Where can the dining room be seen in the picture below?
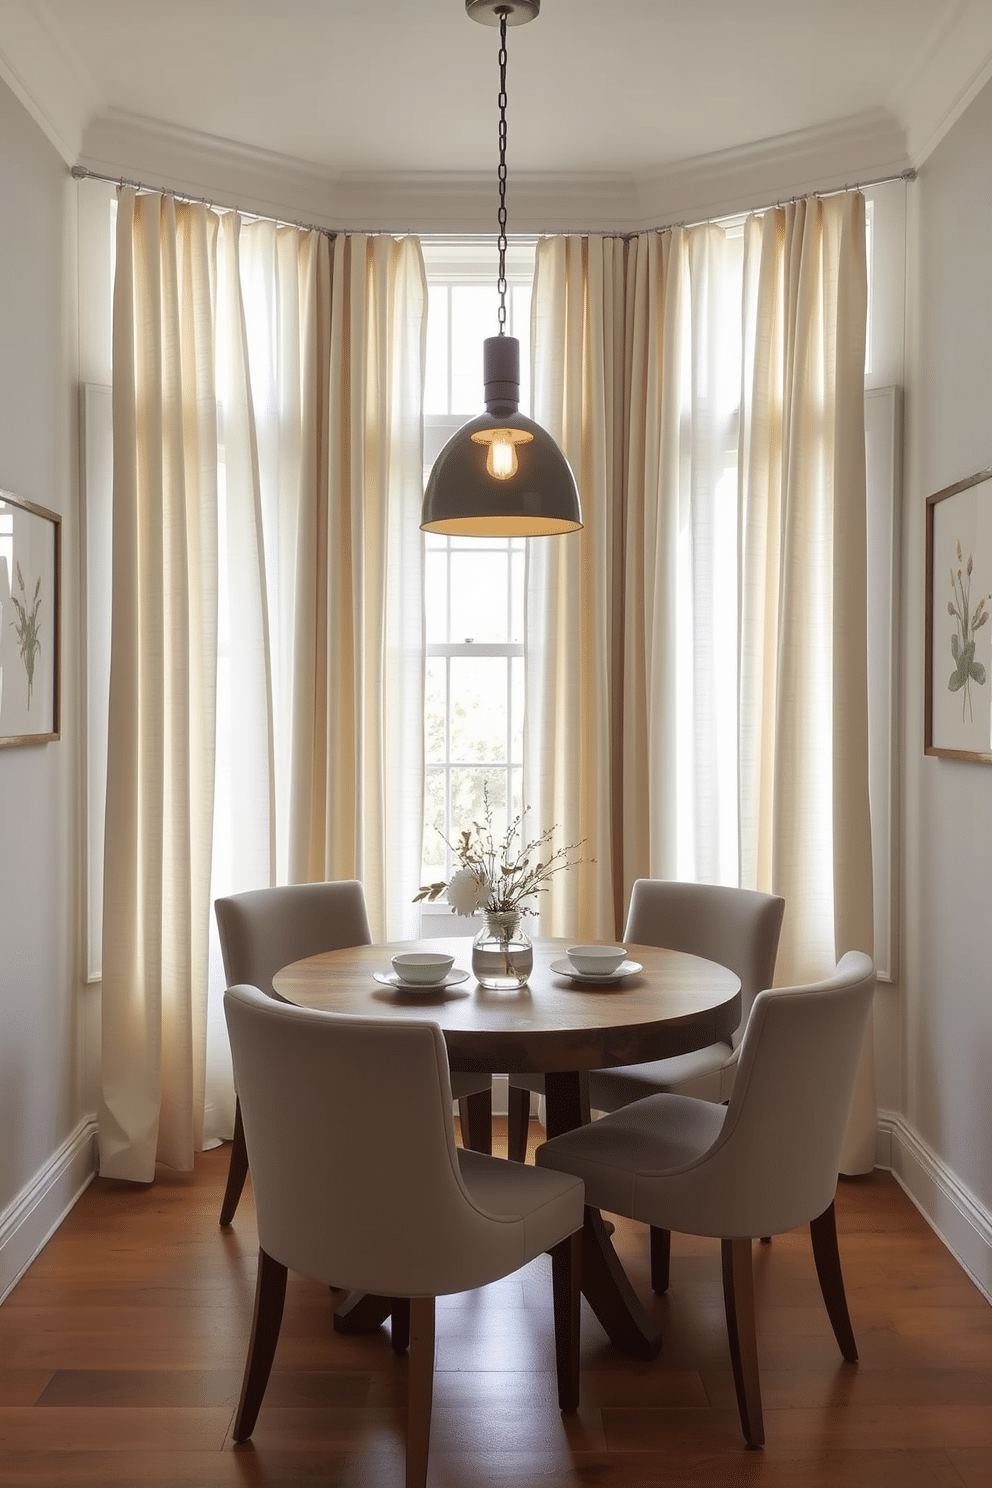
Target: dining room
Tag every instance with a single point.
(616, 711)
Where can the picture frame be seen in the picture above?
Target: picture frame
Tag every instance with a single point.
(30, 621)
(958, 681)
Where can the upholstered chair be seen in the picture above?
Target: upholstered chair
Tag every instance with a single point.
(739, 928)
(263, 930)
(764, 1163)
(358, 1182)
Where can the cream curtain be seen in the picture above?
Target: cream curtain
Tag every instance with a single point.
(572, 677)
(356, 808)
(267, 634)
(805, 824)
(162, 680)
(732, 624)
(679, 780)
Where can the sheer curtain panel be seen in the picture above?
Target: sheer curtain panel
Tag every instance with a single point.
(572, 673)
(266, 692)
(805, 823)
(697, 659)
(162, 687)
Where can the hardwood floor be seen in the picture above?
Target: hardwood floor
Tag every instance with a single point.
(122, 1348)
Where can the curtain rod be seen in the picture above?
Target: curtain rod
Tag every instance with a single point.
(82, 173)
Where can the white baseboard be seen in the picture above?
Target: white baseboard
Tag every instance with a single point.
(40, 1208)
(950, 1209)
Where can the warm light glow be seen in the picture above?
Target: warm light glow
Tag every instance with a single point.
(501, 457)
(501, 460)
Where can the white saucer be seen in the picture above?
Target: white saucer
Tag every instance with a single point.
(390, 979)
(626, 969)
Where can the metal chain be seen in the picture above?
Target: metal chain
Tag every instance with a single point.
(501, 215)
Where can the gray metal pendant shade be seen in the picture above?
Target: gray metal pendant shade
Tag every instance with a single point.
(501, 475)
(537, 498)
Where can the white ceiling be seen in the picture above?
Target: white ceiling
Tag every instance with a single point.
(383, 112)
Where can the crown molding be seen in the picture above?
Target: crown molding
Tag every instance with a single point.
(846, 152)
(42, 72)
(950, 69)
(39, 66)
(235, 175)
(169, 157)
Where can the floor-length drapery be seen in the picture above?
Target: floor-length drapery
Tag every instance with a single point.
(805, 824)
(162, 676)
(740, 505)
(267, 618)
(679, 760)
(357, 771)
(572, 674)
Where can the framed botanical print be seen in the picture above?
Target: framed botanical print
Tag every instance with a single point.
(30, 603)
(958, 699)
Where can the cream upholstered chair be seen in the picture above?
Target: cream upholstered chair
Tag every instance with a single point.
(263, 930)
(739, 929)
(383, 1202)
(764, 1163)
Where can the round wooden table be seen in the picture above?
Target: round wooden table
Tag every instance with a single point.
(553, 1026)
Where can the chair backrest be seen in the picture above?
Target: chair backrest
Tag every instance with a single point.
(351, 1146)
(775, 1163)
(738, 928)
(263, 930)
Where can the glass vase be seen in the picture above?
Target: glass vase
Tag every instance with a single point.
(502, 953)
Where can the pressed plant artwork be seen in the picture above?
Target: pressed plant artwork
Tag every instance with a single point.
(968, 622)
(28, 626)
(957, 717)
(30, 608)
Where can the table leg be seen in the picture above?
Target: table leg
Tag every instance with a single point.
(605, 1285)
(362, 1312)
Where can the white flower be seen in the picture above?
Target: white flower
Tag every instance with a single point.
(467, 891)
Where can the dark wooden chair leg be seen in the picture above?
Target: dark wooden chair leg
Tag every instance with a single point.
(661, 1257)
(517, 1123)
(738, 1296)
(823, 1234)
(420, 1390)
(475, 1112)
(237, 1171)
(399, 1325)
(270, 1295)
(566, 1260)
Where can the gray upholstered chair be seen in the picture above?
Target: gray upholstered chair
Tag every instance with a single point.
(383, 1201)
(263, 930)
(739, 929)
(762, 1164)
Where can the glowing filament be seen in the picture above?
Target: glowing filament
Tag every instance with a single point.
(501, 456)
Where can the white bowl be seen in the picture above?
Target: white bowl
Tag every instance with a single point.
(422, 966)
(596, 960)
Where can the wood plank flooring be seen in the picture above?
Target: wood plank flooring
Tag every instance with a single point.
(122, 1348)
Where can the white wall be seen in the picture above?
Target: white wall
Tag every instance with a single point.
(45, 1065)
(943, 1144)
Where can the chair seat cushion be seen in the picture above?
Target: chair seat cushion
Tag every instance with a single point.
(700, 1073)
(546, 1204)
(618, 1157)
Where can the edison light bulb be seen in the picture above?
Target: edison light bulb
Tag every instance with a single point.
(501, 457)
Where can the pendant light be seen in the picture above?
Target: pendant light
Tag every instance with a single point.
(501, 475)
